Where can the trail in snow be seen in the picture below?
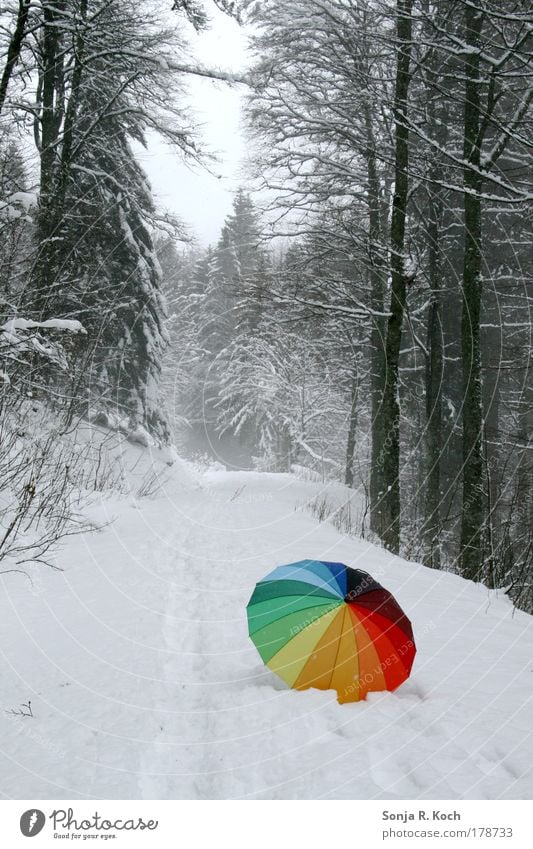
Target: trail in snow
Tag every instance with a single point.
(144, 683)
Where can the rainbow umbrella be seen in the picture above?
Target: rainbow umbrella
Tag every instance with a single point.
(325, 625)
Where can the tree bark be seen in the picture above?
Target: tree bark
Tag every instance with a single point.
(15, 46)
(434, 378)
(473, 507)
(352, 428)
(51, 87)
(391, 406)
(72, 107)
(377, 334)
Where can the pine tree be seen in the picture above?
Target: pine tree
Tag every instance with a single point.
(104, 81)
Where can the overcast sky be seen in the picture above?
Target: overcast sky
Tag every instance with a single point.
(201, 199)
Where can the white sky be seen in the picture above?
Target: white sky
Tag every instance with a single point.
(199, 198)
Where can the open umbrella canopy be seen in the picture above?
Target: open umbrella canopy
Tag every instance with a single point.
(325, 625)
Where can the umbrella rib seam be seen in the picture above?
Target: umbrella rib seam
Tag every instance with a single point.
(307, 607)
(338, 647)
(331, 606)
(384, 634)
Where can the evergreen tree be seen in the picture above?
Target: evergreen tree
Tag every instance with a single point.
(102, 85)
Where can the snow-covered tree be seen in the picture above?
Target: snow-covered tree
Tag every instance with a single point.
(104, 81)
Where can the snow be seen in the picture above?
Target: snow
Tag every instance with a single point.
(25, 199)
(143, 682)
(17, 206)
(10, 327)
(10, 338)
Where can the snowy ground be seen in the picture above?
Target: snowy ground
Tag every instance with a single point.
(143, 682)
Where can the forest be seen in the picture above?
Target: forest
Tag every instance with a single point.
(365, 315)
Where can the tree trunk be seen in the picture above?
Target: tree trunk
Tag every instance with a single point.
(15, 46)
(473, 508)
(391, 406)
(437, 111)
(51, 88)
(492, 354)
(71, 112)
(352, 428)
(377, 334)
(434, 377)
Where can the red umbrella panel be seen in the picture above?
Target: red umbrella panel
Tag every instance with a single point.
(326, 625)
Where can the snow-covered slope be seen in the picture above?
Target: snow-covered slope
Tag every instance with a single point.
(143, 682)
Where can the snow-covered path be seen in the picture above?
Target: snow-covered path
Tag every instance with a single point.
(144, 684)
